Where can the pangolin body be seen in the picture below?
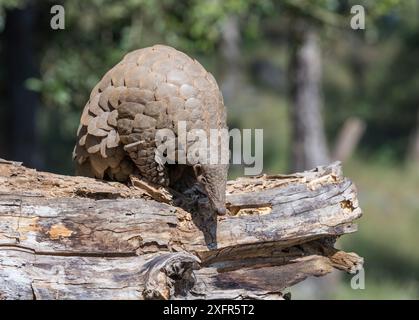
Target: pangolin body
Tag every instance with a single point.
(151, 88)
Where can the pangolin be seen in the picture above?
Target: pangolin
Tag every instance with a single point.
(151, 88)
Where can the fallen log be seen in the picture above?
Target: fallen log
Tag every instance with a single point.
(65, 237)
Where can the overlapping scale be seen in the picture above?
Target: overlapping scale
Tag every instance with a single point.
(150, 89)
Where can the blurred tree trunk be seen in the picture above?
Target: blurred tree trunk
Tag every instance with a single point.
(348, 138)
(230, 52)
(414, 148)
(21, 143)
(309, 146)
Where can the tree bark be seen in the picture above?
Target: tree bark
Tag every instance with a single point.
(65, 237)
(309, 146)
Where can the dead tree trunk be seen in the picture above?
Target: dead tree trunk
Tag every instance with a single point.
(67, 237)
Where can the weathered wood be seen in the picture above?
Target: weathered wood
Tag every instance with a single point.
(74, 237)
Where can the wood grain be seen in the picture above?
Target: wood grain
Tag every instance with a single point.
(65, 237)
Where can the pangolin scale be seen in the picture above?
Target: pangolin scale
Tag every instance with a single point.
(151, 88)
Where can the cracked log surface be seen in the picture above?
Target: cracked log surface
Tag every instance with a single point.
(64, 237)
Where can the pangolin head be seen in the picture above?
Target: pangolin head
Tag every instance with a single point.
(213, 178)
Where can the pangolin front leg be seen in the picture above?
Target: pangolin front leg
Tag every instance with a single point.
(137, 131)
